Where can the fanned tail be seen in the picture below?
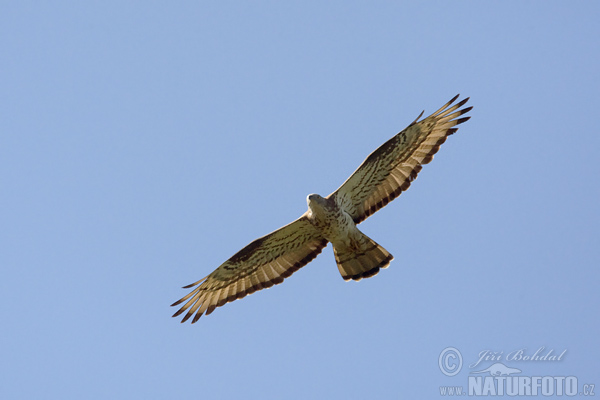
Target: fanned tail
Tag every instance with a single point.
(364, 262)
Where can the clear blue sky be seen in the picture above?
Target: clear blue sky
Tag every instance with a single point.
(144, 143)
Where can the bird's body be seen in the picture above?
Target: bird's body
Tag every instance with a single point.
(383, 176)
(334, 224)
(356, 254)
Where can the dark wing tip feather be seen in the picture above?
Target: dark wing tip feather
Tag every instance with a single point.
(178, 312)
(461, 120)
(210, 309)
(461, 103)
(177, 302)
(417, 119)
(195, 283)
(187, 316)
(196, 318)
(465, 110)
(188, 286)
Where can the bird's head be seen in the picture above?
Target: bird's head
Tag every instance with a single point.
(317, 204)
(313, 197)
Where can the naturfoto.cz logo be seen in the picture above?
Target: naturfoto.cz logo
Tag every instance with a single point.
(499, 379)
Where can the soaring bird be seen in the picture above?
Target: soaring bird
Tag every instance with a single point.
(382, 177)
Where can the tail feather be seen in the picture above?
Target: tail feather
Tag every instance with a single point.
(361, 263)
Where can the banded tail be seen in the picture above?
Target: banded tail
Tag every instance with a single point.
(363, 262)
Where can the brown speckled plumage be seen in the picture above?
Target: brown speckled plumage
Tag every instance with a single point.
(382, 177)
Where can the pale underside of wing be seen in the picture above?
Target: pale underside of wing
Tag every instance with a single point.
(390, 169)
(261, 264)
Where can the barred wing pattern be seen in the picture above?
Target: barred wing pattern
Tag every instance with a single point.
(390, 169)
(261, 264)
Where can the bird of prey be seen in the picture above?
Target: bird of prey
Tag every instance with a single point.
(382, 177)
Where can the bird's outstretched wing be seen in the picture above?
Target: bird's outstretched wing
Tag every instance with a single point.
(390, 169)
(261, 264)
